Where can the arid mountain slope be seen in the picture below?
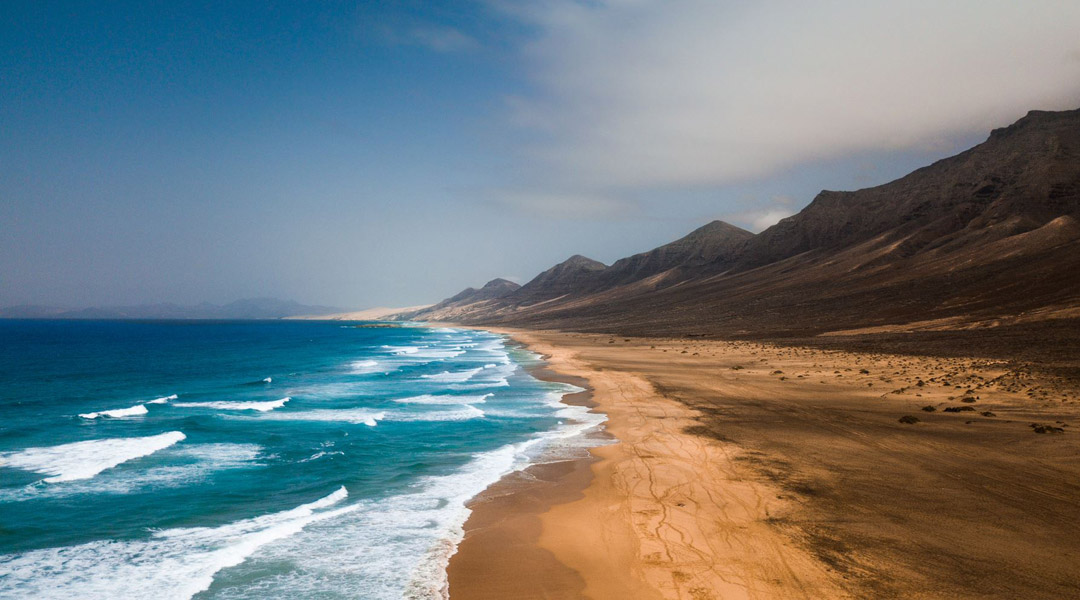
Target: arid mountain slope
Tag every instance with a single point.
(1021, 178)
(465, 301)
(986, 238)
(567, 277)
(715, 245)
(496, 288)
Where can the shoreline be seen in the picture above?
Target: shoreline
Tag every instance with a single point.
(748, 470)
(572, 529)
(500, 556)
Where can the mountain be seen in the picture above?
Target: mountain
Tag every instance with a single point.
(464, 302)
(564, 278)
(496, 288)
(250, 308)
(271, 308)
(575, 273)
(987, 238)
(713, 245)
(1021, 178)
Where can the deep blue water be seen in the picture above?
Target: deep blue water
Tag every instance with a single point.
(255, 459)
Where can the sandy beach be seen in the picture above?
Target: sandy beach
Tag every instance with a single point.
(745, 470)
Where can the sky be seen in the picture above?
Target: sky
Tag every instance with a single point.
(360, 154)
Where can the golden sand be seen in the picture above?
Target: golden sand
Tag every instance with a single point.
(744, 470)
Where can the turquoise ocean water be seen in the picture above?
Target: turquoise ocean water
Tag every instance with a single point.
(256, 459)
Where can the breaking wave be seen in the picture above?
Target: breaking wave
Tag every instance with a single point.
(83, 460)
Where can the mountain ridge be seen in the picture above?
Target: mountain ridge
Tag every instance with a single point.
(984, 235)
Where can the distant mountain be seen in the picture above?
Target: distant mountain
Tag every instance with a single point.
(990, 236)
(251, 308)
(464, 302)
(496, 288)
(31, 311)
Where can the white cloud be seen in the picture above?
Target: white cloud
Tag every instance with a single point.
(767, 218)
(688, 92)
(759, 219)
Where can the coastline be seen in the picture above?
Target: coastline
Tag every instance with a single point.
(577, 529)
(746, 470)
(500, 556)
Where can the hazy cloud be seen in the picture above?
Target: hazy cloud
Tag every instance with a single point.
(689, 92)
(762, 218)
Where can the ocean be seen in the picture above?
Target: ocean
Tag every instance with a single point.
(279, 459)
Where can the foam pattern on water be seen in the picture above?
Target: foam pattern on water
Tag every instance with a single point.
(294, 460)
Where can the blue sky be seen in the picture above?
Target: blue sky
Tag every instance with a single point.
(360, 154)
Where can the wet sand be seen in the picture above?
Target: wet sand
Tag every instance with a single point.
(745, 470)
(500, 557)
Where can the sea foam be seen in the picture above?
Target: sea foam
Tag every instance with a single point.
(359, 416)
(83, 460)
(491, 375)
(172, 564)
(466, 412)
(362, 367)
(443, 399)
(453, 377)
(182, 465)
(117, 413)
(258, 406)
(416, 532)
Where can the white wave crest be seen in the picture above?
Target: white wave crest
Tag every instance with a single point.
(371, 418)
(163, 399)
(361, 367)
(453, 377)
(492, 375)
(83, 460)
(182, 465)
(173, 564)
(426, 355)
(259, 406)
(443, 400)
(118, 413)
(465, 413)
(358, 416)
(503, 382)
